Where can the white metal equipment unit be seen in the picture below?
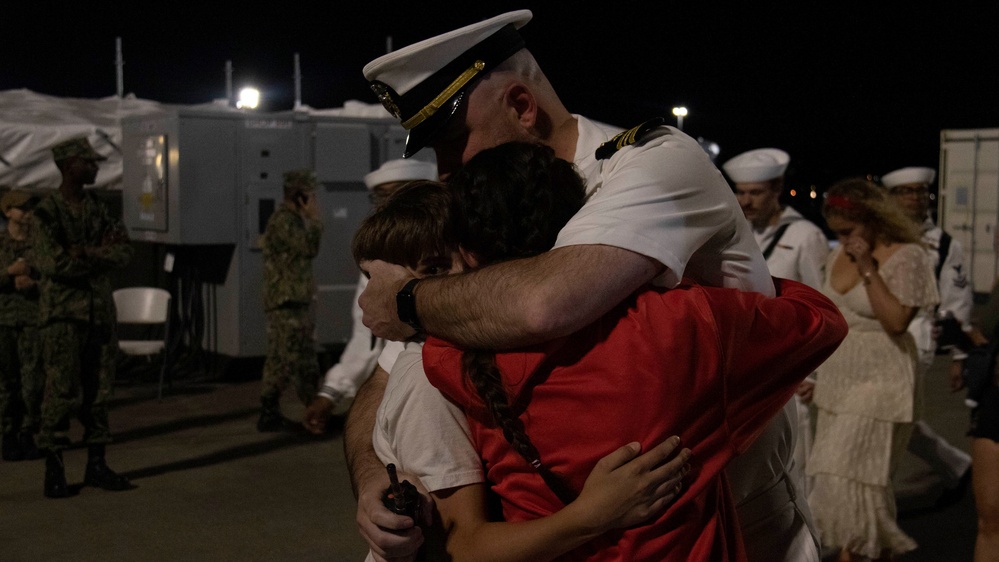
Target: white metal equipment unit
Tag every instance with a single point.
(968, 203)
(205, 182)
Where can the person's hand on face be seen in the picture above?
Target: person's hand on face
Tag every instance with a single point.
(859, 251)
(308, 205)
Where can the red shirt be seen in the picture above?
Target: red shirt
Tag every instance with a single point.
(711, 365)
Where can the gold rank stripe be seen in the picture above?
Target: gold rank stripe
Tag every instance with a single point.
(627, 137)
(436, 103)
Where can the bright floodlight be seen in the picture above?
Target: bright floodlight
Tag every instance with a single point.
(249, 98)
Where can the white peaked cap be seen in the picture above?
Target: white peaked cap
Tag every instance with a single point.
(401, 170)
(413, 64)
(761, 164)
(906, 176)
(423, 84)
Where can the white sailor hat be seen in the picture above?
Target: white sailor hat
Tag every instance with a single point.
(423, 84)
(910, 175)
(401, 170)
(761, 164)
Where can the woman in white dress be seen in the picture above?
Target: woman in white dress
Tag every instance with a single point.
(866, 394)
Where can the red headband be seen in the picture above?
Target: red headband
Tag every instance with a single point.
(841, 202)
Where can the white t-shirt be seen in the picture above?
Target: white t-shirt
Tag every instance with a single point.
(422, 432)
(419, 430)
(389, 354)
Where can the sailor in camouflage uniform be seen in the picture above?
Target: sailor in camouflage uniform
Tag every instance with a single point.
(78, 244)
(290, 242)
(21, 378)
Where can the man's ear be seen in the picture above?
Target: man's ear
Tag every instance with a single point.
(469, 258)
(521, 100)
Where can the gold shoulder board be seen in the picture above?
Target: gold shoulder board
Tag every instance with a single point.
(629, 137)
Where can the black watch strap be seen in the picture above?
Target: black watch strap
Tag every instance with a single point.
(405, 302)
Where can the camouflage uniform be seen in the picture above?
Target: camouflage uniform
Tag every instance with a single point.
(290, 242)
(76, 248)
(21, 377)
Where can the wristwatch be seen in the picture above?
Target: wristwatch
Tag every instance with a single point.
(405, 302)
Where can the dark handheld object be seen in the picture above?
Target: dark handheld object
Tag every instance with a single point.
(979, 366)
(951, 335)
(979, 372)
(401, 497)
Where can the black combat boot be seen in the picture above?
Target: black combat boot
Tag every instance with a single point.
(55, 476)
(99, 475)
(10, 448)
(271, 419)
(28, 448)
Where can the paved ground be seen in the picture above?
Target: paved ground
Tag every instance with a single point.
(210, 487)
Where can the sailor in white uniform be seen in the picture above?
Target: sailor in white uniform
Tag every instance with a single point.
(910, 188)
(794, 247)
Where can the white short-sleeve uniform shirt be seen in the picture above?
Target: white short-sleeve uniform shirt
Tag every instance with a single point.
(800, 253)
(663, 198)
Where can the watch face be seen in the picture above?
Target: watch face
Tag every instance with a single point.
(405, 302)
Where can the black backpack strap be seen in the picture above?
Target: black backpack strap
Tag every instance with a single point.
(942, 252)
(773, 243)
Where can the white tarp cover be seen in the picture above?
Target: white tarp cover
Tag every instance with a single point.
(32, 123)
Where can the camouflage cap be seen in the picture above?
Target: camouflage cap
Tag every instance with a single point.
(14, 198)
(300, 180)
(75, 147)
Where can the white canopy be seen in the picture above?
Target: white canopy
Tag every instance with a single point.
(31, 123)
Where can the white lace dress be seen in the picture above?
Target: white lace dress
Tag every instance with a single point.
(867, 399)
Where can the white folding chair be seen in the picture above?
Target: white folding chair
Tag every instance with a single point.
(147, 306)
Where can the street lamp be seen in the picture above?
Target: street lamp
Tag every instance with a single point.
(680, 113)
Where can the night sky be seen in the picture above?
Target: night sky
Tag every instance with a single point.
(846, 90)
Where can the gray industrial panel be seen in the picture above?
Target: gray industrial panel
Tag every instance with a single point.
(206, 180)
(343, 151)
(342, 212)
(262, 199)
(333, 307)
(252, 320)
(343, 207)
(145, 193)
(228, 305)
(270, 147)
(190, 197)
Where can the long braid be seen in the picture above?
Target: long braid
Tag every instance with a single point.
(480, 368)
(510, 202)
